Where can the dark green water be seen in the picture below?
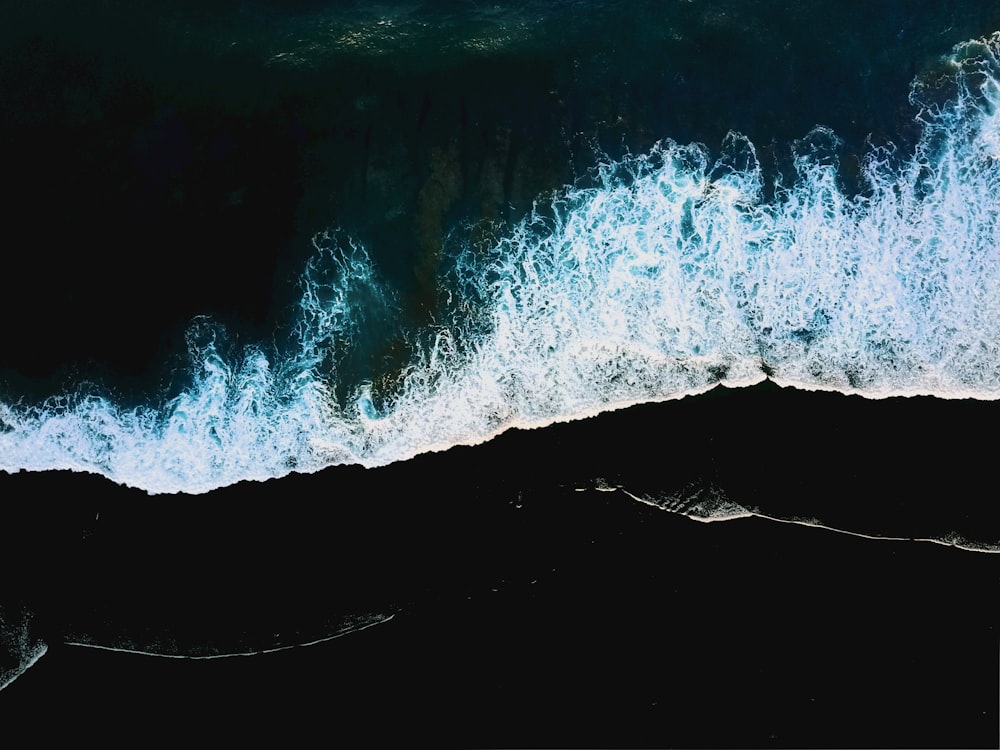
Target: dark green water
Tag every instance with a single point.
(176, 160)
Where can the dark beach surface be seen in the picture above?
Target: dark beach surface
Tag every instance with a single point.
(172, 162)
(510, 603)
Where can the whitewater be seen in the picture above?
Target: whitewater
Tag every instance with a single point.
(674, 271)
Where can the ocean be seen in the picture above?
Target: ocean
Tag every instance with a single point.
(519, 374)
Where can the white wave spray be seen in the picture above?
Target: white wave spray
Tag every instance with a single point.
(673, 274)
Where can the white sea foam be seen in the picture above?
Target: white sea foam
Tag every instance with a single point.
(674, 273)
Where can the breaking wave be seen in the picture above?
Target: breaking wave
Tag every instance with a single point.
(675, 272)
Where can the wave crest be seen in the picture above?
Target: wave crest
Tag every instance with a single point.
(671, 274)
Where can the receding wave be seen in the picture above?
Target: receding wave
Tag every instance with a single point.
(675, 271)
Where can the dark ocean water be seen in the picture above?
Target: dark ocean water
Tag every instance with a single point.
(285, 282)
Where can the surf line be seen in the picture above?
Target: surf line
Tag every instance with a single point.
(379, 620)
(956, 541)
